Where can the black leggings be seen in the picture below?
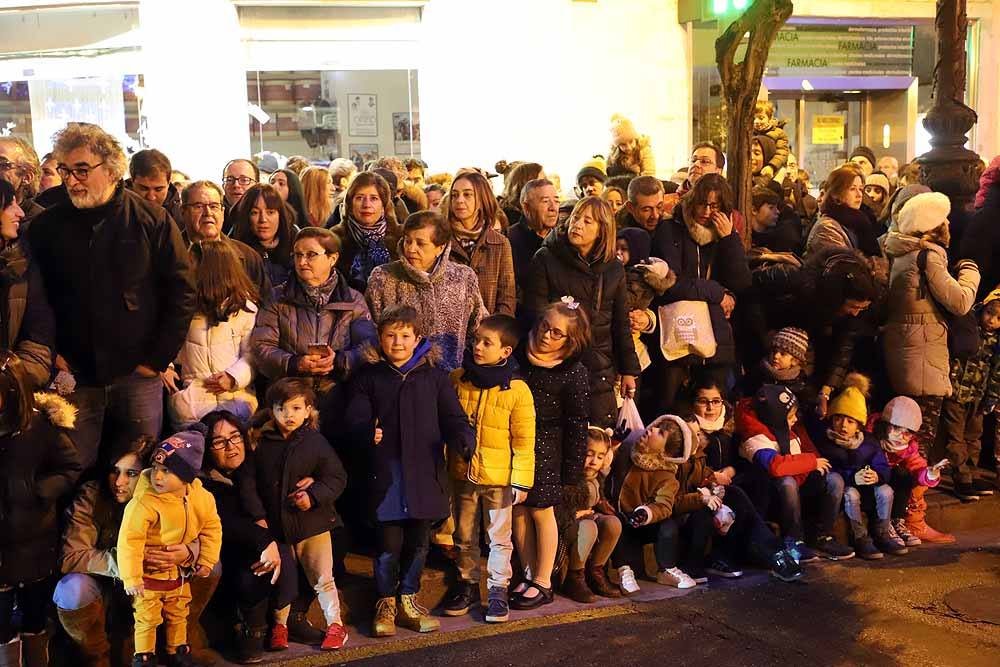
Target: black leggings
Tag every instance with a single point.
(32, 600)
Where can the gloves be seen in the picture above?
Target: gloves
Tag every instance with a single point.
(640, 517)
(620, 433)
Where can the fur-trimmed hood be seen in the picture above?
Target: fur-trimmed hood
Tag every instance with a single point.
(648, 457)
(656, 273)
(56, 409)
(371, 354)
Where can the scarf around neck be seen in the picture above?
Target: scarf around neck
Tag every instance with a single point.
(858, 222)
(466, 238)
(372, 250)
(319, 295)
(542, 359)
(712, 425)
(487, 377)
(786, 375)
(846, 443)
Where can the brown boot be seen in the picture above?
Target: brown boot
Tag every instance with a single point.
(575, 587)
(85, 627)
(597, 579)
(916, 511)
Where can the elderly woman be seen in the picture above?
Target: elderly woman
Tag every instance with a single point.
(317, 325)
(579, 261)
(368, 230)
(472, 213)
(444, 294)
(252, 572)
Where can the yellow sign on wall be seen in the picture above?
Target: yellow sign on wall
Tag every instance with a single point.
(828, 130)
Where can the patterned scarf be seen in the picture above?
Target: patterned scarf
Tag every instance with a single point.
(319, 295)
(846, 443)
(466, 238)
(371, 248)
(779, 375)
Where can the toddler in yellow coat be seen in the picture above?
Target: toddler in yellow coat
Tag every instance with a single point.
(501, 471)
(169, 507)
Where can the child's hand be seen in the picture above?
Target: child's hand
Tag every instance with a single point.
(822, 465)
(640, 517)
(934, 471)
(135, 591)
(710, 500)
(261, 522)
(301, 500)
(724, 477)
(202, 571)
(378, 436)
(866, 477)
(520, 496)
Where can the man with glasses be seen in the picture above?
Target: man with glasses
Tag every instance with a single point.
(19, 166)
(706, 158)
(202, 220)
(238, 176)
(119, 280)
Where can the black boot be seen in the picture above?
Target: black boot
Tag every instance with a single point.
(144, 660)
(250, 645)
(301, 631)
(182, 658)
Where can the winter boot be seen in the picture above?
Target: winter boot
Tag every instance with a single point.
(597, 579)
(10, 653)
(576, 589)
(202, 590)
(863, 544)
(35, 649)
(384, 624)
(144, 660)
(85, 627)
(412, 616)
(250, 644)
(887, 540)
(301, 631)
(916, 511)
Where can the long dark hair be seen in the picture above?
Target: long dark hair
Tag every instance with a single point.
(222, 284)
(296, 199)
(7, 194)
(243, 230)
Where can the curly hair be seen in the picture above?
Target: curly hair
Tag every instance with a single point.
(96, 140)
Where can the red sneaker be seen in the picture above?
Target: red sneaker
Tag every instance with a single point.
(336, 637)
(279, 637)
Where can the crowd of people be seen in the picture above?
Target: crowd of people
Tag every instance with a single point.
(211, 392)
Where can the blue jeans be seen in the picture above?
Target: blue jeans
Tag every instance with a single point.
(825, 490)
(127, 408)
(859, 499)
(402, 546)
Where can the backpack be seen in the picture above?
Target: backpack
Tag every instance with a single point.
(963, 330)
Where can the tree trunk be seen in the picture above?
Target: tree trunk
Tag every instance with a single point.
(741, 85)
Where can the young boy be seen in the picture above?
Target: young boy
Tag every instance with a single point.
(169, 507)
(276, 492)
(774, 439)
(857, 457)
(785, 362)
(503, 469)
(976, 390)
(406, 407)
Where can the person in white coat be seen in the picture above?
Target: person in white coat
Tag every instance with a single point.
(214, 369)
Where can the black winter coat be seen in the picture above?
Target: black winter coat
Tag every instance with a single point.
(418, 413)
(704, 273)
(242, 539)
(561, 397)
(981, 241)
(119, 280)
(40, 467)
(524, 243)
(558, 270)
(272, 470)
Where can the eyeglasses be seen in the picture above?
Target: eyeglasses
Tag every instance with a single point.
(6, 165)
(242, 180)
(199, 207)
(703, 161)
(706, 402)
(308, 256)
(79, 173)
(554, 334)
(221, 443)
(712, 206)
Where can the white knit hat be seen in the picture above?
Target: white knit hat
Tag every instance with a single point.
(904, 412)
(878, 179)
(923, 213)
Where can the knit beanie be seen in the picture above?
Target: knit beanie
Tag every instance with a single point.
(622, 130)
(851, 402)
(866, 153)
(182, 453)
(923, 213)
(879, 180)
(905, 195)
(772, 403)
(794, 341)
(639, 244)
(904, 412)
(591, 171)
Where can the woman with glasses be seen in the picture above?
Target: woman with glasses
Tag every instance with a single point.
(213, 369)
(700, 245)
(579, 261)
(252, 560)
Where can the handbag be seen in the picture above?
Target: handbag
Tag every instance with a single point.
(686, 328)
(963, 330)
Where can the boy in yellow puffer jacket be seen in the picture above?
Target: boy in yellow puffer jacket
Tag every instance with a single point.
(169, 506)
(501, 471)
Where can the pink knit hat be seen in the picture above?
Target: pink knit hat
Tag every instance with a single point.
(989, 177)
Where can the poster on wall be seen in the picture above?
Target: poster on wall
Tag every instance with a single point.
(406, 133)
(362, 115)
(828, 130)
(362, 153)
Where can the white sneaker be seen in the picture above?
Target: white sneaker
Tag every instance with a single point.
(675, 577)
(626, 580)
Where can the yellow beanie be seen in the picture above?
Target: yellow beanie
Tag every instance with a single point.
(851, 402)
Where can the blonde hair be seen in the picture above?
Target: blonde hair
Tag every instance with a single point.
(604, 246)
(316, 195)
(96, 140)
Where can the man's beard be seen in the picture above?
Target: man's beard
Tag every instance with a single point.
(91, 199)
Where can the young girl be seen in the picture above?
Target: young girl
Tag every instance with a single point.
(560, 386)
(597, 527)
(215, 364)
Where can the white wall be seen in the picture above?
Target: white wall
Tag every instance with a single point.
(539, 80)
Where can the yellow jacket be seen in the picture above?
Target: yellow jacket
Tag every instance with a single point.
(153, 519)
(504, 420)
